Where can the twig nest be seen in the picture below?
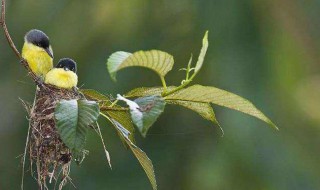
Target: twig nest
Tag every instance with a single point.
(46, 149)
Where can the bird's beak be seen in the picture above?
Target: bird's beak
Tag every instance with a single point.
(66, 68)
(49, 51)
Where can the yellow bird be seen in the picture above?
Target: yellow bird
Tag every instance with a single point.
(63, 75)
(37, 52)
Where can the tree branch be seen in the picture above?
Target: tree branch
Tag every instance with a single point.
(35, 78)
(5, 29)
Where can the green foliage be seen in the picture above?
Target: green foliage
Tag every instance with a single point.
(115, 112)
(96, 96)
(203, 109)
(72, 120)
(142, 157)
(208, 94)
(115, 61)
(145, 111)
(197, 97)
(124, 118)
(149, 105)
(147, 91)
(205, 45)
(158, 61)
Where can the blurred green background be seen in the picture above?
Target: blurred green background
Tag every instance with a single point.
(266, 51)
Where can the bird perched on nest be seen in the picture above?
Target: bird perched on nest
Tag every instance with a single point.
(37, 52)
(63, 75)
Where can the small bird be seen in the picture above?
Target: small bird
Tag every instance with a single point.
(37, 52)
(63, 75)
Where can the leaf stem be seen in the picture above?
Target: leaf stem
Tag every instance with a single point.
(185, 82)
(193, 75)
(164, 84)
(114, 103)
(187, 75)
(107, 117)
(166, 93)
(189, 68)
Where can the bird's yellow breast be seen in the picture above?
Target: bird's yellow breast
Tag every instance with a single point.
(61, 78)
(38, 59)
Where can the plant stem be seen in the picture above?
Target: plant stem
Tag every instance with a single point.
(165, 93)
(163, 84)
(107, 117)
(187, 75)
(5, 29)
(114, 103)
(185, 82)
(189, 68)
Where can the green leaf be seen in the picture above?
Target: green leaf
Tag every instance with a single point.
(121, 116)
(143, 159)
(72, 120)
(114, 62)
(96, 96)
(145, 111)
(158, 61)
(124, 118)
(147, 91)
(203, 52)
(203, 109)
(207, 94)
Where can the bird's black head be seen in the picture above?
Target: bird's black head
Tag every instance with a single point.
(40, 39)
(67, 64)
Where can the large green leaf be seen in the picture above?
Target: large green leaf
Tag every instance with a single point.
(203, 52)
(203, 109)
(143, 159)
(207, 94)
(147, 91)
(72, 120)
(114, 62)
(145, 111)
(158, 61)
(118, 113)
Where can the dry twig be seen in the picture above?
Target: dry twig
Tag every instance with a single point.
(5, 29)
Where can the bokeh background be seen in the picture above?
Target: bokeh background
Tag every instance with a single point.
(266, 51)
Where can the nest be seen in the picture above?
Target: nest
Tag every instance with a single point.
(48, 154)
